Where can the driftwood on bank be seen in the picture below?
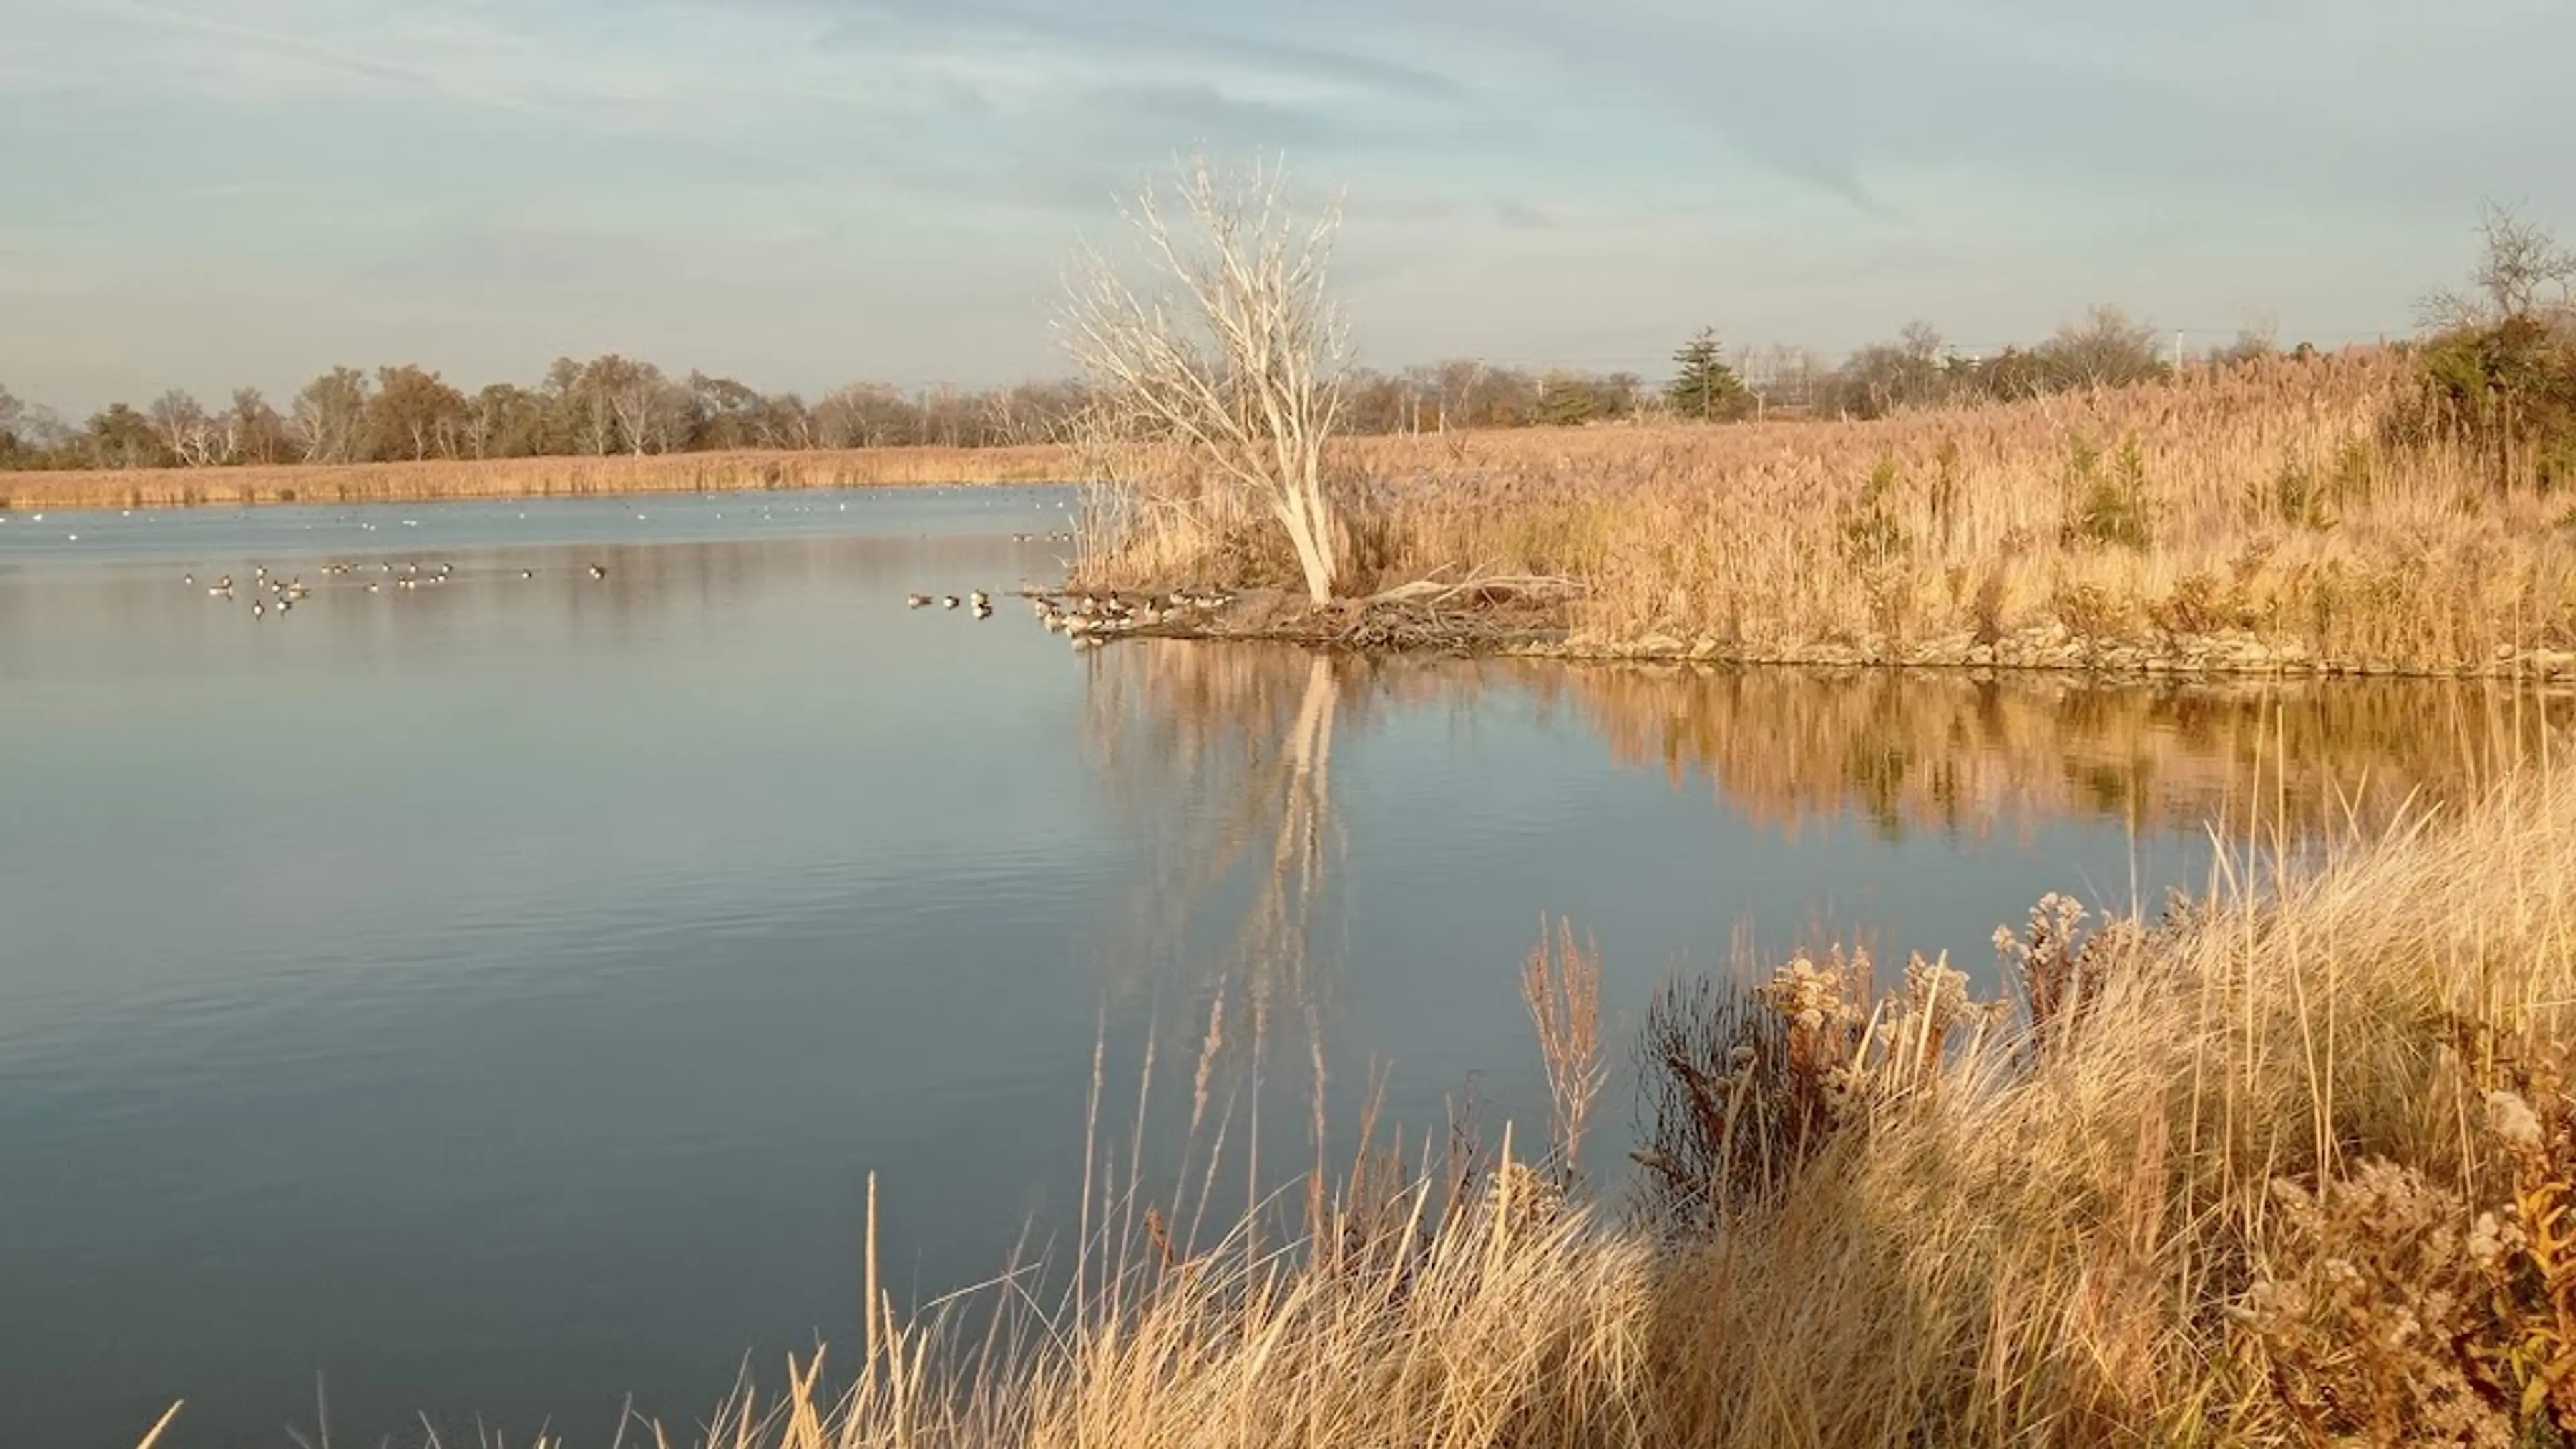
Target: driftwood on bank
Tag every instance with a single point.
(1476, 614)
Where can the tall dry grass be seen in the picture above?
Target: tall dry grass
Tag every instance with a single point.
(408, 482)
(2265, 504)
(2292, 1167)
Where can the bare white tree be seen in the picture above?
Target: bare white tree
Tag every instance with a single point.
(1234, 351)
(183, 427)
(2524, 272)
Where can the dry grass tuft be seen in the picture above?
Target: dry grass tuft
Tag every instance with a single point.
(1561, 983)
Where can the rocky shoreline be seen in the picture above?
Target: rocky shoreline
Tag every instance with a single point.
(2055, 648)
(1260, 616)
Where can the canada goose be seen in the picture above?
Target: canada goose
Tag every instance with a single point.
(980, 599)
(982, 611)
(527, 573)
(257, 608)
(916, 601)
(599, 571)
(374, 588)
(222, 587)
(188, 579)
(948, 601)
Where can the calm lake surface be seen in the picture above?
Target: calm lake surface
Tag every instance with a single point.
(491, 997)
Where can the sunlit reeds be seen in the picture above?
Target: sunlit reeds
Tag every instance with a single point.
(2259, 516)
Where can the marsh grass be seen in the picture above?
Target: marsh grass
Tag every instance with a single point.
(2276, 501)
(530, 477)
(2290, 1164)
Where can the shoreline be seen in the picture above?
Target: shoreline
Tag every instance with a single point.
(1269, 617)
(441, 480)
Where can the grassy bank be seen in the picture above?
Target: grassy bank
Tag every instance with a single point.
(528, 477)
(2274, 515)
(2287, 1168)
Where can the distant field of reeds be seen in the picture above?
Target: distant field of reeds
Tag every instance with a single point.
(529, 477)
(2289, 1167)
(2273, 514)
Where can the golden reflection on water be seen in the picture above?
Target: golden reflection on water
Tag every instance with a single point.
(1236, 742)
(1952, 753)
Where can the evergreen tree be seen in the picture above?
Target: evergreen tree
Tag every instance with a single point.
(1705, 387)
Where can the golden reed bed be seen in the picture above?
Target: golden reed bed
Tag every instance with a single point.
(530, 477)
(2265, 515)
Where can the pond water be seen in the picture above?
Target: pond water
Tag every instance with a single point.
(490, 998)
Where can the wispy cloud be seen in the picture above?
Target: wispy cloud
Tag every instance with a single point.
(494, 179)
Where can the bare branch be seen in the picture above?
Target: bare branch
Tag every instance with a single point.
(1235, 354)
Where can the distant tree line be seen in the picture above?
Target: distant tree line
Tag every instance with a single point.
(618, 405)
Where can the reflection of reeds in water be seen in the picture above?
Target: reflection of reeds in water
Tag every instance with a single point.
(1223, 753)
(1948, 752)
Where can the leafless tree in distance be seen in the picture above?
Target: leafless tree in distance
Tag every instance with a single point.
(2525, 272)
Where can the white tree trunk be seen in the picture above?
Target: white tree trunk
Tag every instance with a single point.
(1236, 354)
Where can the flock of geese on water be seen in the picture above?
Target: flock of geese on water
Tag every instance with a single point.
(1089, 619)
(279, 593)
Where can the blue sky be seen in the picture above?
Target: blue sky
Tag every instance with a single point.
(805, 192)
